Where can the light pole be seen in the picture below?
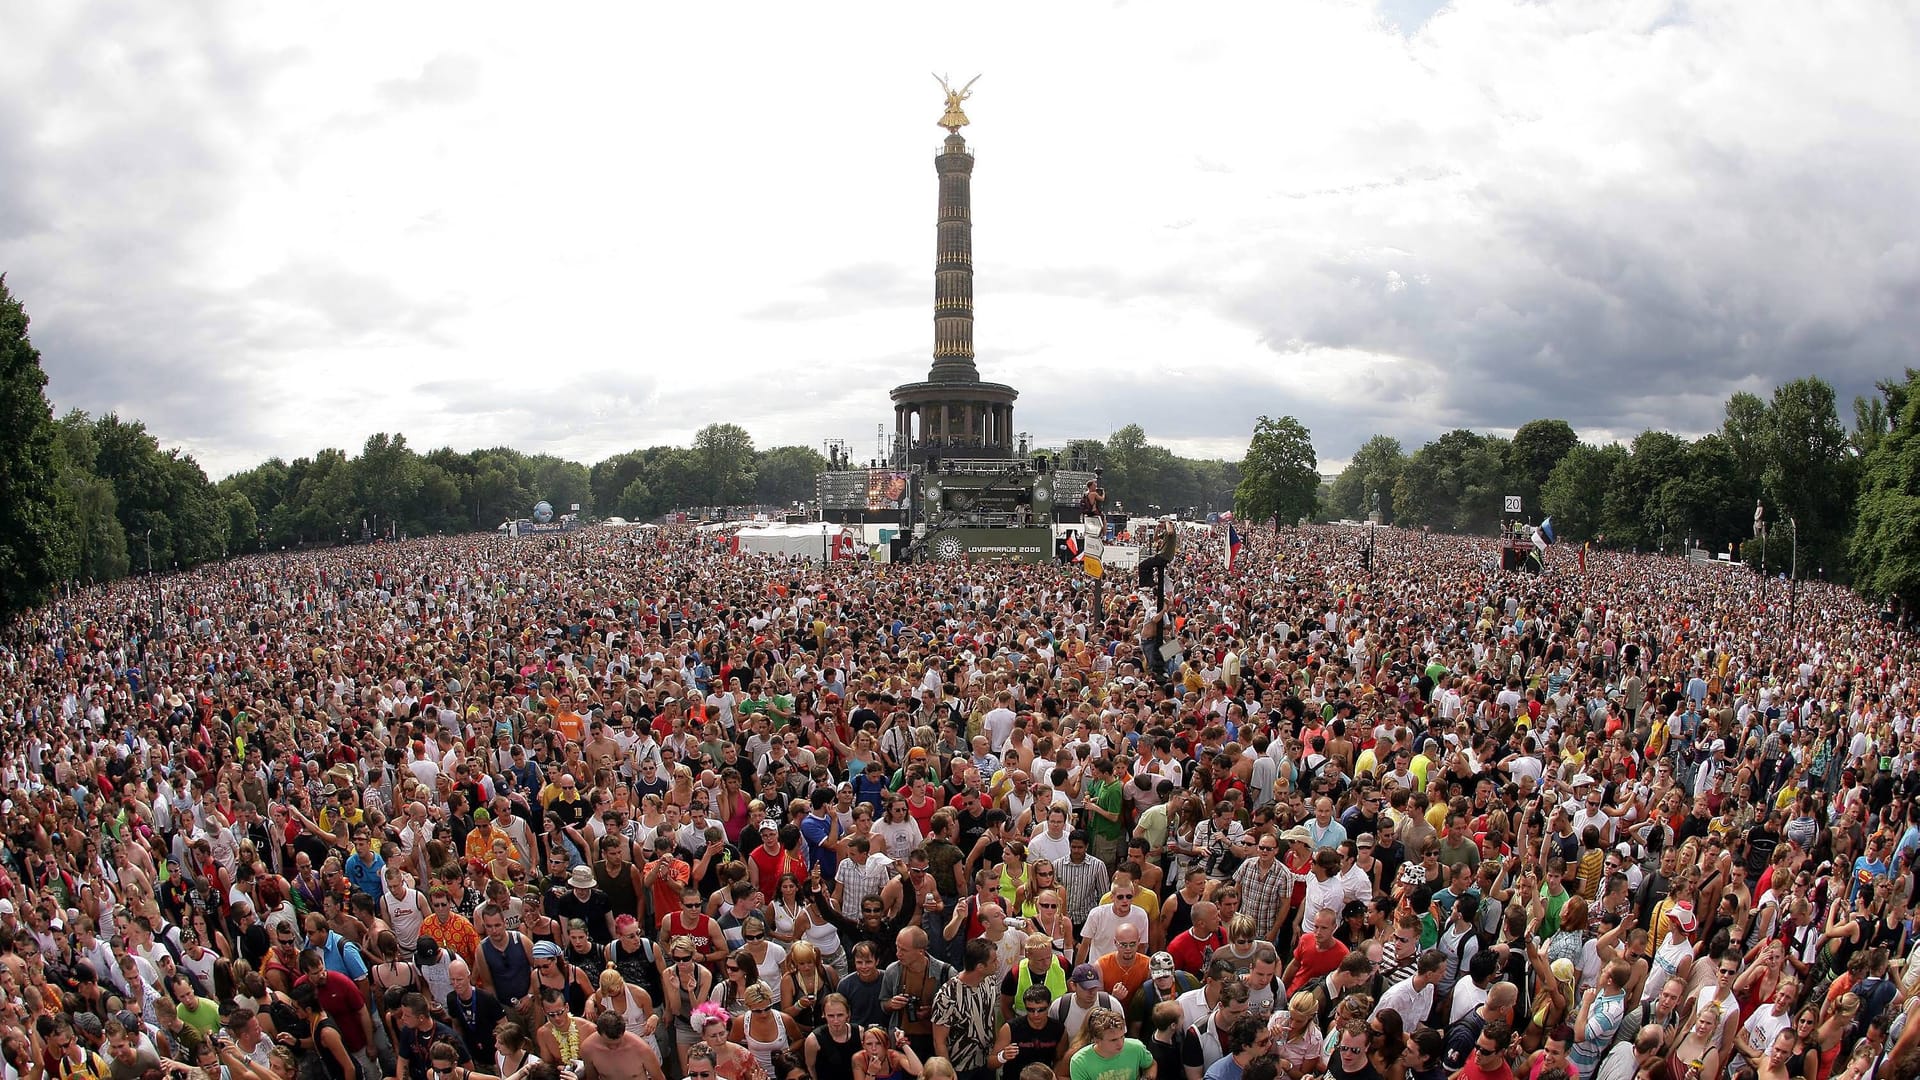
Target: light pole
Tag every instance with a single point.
(1793, 574)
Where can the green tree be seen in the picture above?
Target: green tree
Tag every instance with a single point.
(786, 474)
(1884, 546)
(1810, 472)
(243, 525)
(1372, 471)
(386, 478)
(1870, 420)
(1635, 510)
(1129, 477)
(635, 502)
(1280, 475)
(611, 478)
(1704, 502)
(1745, 429)
(562, 483)
(678, 478)
(1455, 483)
(726, 459)
(1574, 494)
(1536, 448)
(37, 545)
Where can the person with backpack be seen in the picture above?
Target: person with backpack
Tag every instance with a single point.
(1876, 991)
(1462, 1033)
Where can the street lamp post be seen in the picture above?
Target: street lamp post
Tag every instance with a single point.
(1793, 574)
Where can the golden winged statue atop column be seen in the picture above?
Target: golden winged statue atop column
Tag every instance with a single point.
(955, 118)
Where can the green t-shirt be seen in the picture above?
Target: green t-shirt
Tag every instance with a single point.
(1106, 794)
(1550, 924)
(1154, 826)
(203, 1020)
(780, 707)
(1133, 1059)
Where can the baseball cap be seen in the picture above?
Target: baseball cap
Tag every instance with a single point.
(1084, 975)
(1682, 916)
(1161, 966)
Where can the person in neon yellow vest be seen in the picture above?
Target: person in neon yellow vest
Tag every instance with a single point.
(1040, 967)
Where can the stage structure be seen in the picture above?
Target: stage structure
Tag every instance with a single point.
(961, 482)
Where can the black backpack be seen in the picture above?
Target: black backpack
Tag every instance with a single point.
(1876, 992)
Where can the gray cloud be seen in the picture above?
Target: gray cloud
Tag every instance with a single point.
(447, 79)
(1491, 240)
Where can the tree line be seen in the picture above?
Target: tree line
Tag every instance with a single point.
(1849, 494)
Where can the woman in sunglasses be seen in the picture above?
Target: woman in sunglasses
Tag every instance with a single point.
(686, 984)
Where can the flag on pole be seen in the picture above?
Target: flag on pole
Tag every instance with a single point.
(1233, 546)
(1546, 529)
(1087, 556)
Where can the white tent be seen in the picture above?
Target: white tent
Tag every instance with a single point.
(813, 541)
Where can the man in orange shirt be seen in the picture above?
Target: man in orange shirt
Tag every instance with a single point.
(1127, 968)
(572, 724)
(480, 838)
(448, 927)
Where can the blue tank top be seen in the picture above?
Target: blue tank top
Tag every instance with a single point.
(512, 969)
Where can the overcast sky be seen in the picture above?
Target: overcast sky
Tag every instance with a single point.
(264, 229)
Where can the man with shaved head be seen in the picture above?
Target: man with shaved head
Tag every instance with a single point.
(1194, 946)
(473, 1012)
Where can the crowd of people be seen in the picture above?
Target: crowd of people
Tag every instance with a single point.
(631, 806)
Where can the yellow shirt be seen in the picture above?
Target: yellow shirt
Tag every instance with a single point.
(1143, 899)
(1365, 764)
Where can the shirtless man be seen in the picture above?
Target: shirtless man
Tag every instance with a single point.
(614, 1053)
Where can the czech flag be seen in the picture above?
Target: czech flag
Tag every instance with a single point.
(1233, 546)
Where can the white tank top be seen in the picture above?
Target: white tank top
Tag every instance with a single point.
(405, 916)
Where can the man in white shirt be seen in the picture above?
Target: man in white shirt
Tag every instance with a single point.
(1097, 936)
(1051, 843)
(998, 723)
(1412, 998)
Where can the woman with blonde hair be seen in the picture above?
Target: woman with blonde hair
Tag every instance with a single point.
(1297, 1039)
(1050, 918)
(762, 1029)
(632, 1003)
(681, 793)
(1699, 1044)
(805, 985)
(1831, 1036)
(1040, 876)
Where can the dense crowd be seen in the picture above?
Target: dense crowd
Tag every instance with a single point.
(628, 805)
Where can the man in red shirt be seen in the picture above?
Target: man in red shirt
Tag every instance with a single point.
(1318, 953)
(1194, 946)
(343, 1002)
